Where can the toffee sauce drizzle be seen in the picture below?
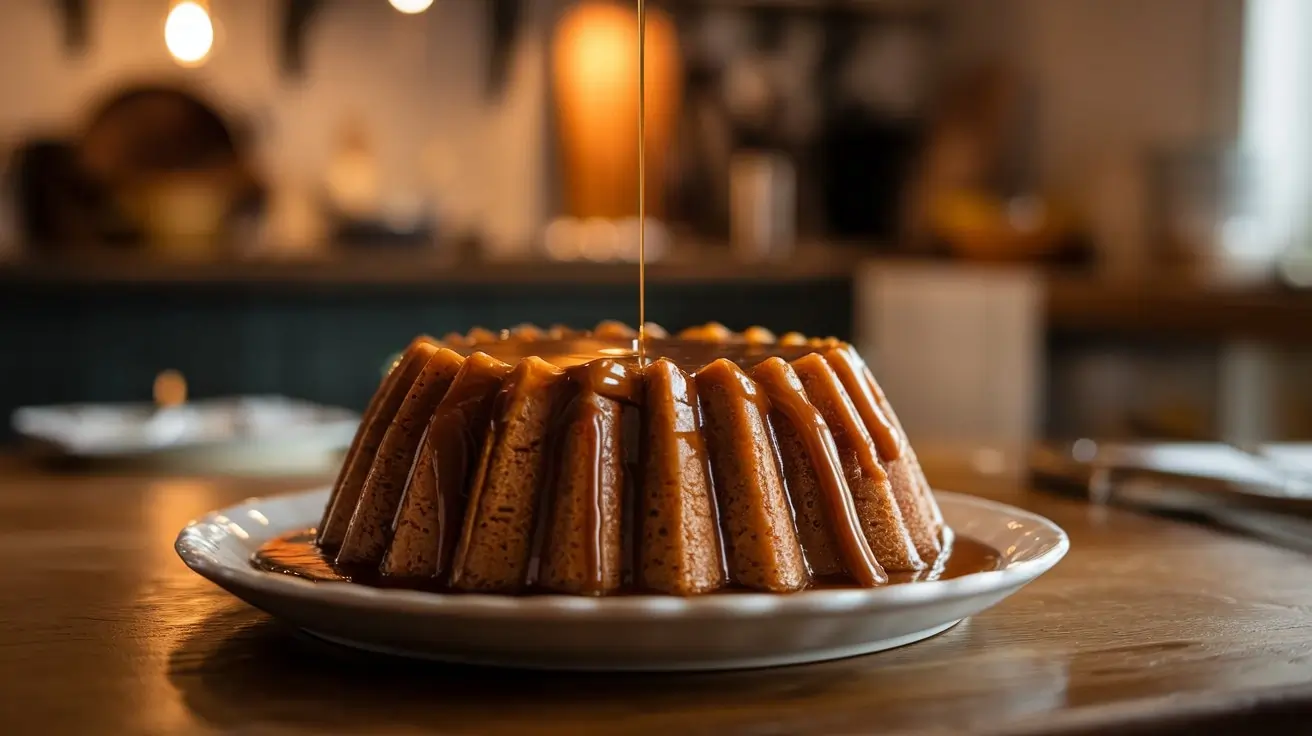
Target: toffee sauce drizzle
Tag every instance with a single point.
(608, 380)
(642, 182)
(690, 356)
(785, 394)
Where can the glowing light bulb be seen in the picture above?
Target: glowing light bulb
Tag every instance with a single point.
(411, 7)
(189, 33)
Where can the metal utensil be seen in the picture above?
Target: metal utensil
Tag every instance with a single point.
(1264, 492)
(1280, 528)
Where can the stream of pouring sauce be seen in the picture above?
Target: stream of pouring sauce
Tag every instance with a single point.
(642, 182)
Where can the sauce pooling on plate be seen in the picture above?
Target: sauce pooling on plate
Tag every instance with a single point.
(296, 554)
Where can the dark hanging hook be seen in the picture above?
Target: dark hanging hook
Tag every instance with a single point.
(504, 17)
(296, 18)
(73, 16)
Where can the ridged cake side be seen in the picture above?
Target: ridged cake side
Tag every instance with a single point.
(431, 516)
(360, 457)
(679, 549)
(764, 473)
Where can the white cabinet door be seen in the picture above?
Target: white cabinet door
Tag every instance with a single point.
(957, 348)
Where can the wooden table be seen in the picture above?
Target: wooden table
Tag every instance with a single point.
(1147, 624)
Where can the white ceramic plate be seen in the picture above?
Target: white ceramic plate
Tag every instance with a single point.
(623, 633)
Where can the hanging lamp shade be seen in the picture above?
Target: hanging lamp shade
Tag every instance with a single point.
(595, 81)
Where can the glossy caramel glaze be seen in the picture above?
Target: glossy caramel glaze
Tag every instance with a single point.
(364, 448)
(432, 512)
(680, 549)
(689, 351)
(561, 460)
(788, 397)
(298, 555)
(760, 536)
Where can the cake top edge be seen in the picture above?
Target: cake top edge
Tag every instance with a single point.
(690, 349)
(712, 332)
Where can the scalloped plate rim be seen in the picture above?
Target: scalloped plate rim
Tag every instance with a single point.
(191, 545)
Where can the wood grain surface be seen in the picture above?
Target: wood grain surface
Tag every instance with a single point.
(1148, 625)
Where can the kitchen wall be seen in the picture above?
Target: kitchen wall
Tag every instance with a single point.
(1124, 73)
(1112, 80)
(416, 83)
(1118, 78)
(1110, 73)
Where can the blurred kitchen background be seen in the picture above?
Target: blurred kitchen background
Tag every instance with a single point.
(1036, 218)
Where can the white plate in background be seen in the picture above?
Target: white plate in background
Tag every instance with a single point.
(224, 433)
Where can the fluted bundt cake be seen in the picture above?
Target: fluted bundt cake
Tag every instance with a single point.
(556, 460)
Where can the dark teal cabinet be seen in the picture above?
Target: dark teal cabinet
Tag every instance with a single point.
(106, 342)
